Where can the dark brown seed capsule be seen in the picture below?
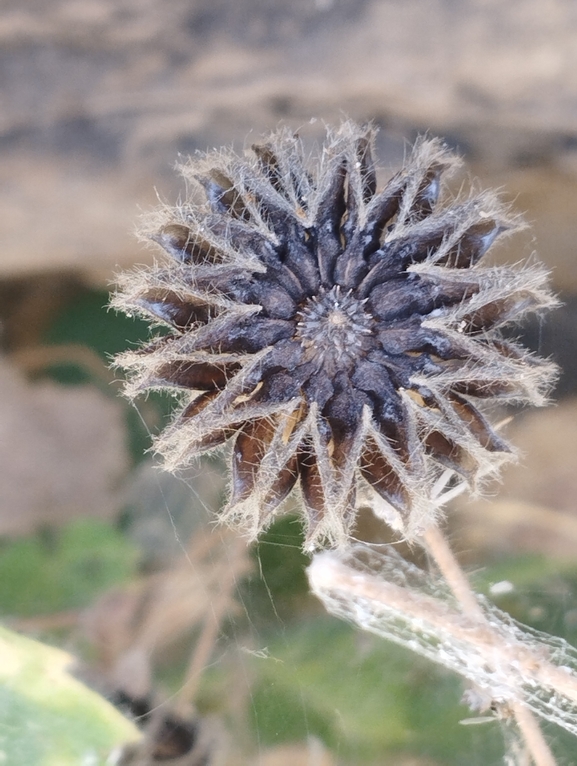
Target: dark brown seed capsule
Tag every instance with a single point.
(337, 334)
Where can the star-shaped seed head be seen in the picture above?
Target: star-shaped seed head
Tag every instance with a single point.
(343, 339)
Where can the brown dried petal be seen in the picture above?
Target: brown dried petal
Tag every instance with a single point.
(281, 488)
(203, 376)
(184, 245)
(178, 310)
(499, 312)
(248, 451)
(450, 454)
(477, 425)
(311, 485)
(473, 245)
(428, 193)
(330, 212)
(382, 477)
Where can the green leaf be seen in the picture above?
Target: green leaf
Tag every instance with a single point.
(49, 718)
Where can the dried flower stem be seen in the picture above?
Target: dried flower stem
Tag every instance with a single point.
(531, 732)
(440, 550)
(212, 621)
(336, 581)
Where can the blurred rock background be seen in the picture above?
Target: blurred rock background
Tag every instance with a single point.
(99, 100)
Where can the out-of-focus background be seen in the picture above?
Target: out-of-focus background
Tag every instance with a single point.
(104, 554)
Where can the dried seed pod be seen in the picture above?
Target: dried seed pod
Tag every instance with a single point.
(338, 335)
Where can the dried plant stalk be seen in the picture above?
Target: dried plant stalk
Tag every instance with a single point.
(514, 665)
(441, 552)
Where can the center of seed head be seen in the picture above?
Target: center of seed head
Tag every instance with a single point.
(333, 325)
(337, 317)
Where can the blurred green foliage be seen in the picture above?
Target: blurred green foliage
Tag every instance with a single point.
(362, 696)
(278, 587)
(88, 321)
(63, 569)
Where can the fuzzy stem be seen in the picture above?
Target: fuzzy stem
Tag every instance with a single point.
(439, 549)
(533, 736)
